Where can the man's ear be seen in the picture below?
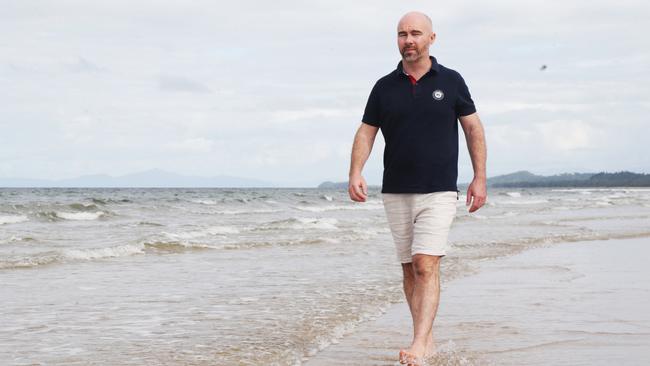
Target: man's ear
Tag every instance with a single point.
(433, 38)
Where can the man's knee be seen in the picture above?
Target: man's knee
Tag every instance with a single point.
(425, 266)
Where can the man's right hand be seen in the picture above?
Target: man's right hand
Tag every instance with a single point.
(357, 188)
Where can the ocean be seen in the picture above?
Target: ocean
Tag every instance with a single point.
(241, 276)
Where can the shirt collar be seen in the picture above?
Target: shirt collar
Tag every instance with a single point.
(434, 67)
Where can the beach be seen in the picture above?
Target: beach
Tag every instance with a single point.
(579, 303)
(293, 276)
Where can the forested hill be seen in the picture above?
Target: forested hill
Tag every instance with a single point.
(525, 179)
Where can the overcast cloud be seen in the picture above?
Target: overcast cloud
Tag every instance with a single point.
(276, 90)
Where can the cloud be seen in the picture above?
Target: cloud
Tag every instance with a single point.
(500, 106)
(192, 145)
(292, 115)
(125, 86)
(83, 65)
(181, 84)
(567, 135)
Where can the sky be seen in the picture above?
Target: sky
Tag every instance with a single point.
(276, 90)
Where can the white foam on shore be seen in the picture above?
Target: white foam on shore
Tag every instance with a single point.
(31, 261)
(66, 255)
(246, 212)
(98, 253)
(487, 216)
(522, 202)
(209, 231)
(12, 219)
(80, 215)
(370, 205)
(300, 223)
(589, 190)
(205, 202)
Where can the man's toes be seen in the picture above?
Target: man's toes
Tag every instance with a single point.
(404, 357)
(408, 358)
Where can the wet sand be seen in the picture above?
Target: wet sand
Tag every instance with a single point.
(580, 303)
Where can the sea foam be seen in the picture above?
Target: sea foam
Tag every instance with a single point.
(80, 215)
(12, 219)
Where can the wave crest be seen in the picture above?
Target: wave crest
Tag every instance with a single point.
(12, 219)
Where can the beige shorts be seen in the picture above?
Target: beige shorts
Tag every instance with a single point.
(420, 222)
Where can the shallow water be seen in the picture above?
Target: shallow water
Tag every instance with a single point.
(578, 303)
(244, 276)
(582, 303)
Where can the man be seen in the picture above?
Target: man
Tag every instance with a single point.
(417, 107)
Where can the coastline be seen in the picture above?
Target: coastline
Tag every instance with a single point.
(260, 277)
(572, 303)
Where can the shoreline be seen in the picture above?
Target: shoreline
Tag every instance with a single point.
(569, 303)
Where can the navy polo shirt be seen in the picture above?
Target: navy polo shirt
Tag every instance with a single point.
(420, 126)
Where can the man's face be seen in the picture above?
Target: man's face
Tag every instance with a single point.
(414, 37)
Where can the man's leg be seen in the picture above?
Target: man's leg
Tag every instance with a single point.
(409, 284)
(422, 282)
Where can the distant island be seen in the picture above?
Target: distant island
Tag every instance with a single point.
(153, 178)
(526, 179)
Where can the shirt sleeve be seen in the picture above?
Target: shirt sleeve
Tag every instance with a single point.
(371, 114)
(464, 103)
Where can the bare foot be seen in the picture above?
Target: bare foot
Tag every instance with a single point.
(413, 356)
(430, 348)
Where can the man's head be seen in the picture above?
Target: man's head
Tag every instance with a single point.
(414, 36)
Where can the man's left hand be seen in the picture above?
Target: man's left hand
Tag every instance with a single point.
(476, 194)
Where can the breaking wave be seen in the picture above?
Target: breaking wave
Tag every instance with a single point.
(70, 255)
(12, 219)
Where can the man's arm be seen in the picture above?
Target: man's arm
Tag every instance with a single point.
(361, 148)
(475, 137)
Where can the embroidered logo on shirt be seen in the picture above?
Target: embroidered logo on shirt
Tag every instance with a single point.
(438, 94)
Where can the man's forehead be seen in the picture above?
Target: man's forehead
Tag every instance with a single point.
(414, 21)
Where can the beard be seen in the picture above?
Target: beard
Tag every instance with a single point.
(411, 54)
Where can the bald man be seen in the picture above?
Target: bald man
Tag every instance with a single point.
(418, 107)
